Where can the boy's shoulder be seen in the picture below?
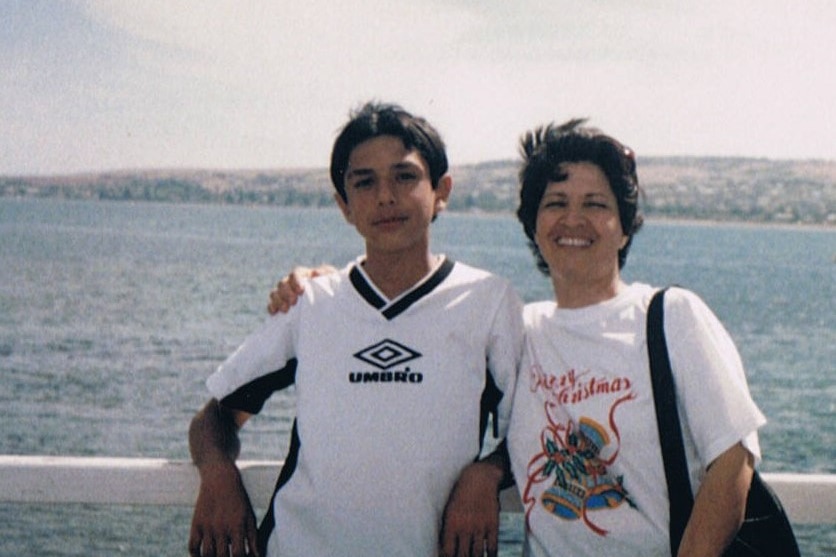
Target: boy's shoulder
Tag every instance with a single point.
(330, 283)
(478, 278)
(464, 270)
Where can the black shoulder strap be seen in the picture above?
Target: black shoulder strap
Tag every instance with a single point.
(680, 496)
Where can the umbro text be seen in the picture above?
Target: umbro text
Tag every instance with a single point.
(406, 376)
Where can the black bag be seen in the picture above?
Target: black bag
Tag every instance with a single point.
(766, 531)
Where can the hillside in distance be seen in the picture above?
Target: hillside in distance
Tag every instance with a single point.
(697, 188)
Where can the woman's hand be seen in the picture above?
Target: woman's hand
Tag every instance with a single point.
(288, 290)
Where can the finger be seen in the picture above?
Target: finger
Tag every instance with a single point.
(492, 544)
(323, 270)
(207, 547)
(292, 289)
(252, 542)
(194, 542)
(219, 548)
(294, 280)
(446, 544)
(277, 304)
(239, 546)
(477, 546)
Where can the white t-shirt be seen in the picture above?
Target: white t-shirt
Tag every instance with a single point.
(389, 399)
(583, 439)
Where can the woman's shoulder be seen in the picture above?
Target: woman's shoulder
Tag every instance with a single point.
(683, 300)
(686, 314)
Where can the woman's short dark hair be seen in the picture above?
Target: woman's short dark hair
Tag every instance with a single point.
(546, 148)
(376, 119)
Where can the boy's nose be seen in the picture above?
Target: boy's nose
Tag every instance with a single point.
(385, 193)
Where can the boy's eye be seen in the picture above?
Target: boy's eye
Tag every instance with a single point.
(363, 183)
(407, 177)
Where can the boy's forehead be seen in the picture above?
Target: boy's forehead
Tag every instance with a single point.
(386, 150)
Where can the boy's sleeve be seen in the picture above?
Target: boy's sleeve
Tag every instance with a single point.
(505, 352)
(264, 363)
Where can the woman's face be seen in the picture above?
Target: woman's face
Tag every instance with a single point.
(578, 230)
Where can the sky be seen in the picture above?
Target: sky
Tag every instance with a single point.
(103, 85)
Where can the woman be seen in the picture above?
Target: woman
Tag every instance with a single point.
(583, 440)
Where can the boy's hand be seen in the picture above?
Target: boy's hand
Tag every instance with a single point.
(470, 526)
(223, 521)
(288, 290)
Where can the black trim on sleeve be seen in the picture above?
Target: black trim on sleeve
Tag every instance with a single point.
(251, 397)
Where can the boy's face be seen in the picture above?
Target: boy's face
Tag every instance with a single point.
(390, 198)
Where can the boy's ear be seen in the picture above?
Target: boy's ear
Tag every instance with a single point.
(341, 203)
(442, 192)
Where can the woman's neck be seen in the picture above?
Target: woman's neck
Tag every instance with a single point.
(574, 294)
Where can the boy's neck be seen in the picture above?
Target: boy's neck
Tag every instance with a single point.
(394, 274)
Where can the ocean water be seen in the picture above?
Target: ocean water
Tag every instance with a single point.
(113, 314)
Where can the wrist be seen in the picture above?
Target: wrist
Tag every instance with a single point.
(484, 473)
(220, 467)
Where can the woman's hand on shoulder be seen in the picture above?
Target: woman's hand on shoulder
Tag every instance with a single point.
(287, 291)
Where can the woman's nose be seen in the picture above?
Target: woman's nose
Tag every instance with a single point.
(573, 215)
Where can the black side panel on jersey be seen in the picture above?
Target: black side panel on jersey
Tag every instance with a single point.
(489, 406)
(269, 522)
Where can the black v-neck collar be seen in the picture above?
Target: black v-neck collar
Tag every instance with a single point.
(368, 293)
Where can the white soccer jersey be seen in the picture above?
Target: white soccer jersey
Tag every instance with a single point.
(392, 402)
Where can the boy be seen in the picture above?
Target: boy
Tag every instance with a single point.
(397, 361)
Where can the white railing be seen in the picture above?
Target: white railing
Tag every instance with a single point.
(807, 498)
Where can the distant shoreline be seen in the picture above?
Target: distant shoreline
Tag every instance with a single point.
(694, 189)
(650, 218)
(823, 226)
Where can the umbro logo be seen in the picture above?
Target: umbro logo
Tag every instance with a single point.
(387, 354)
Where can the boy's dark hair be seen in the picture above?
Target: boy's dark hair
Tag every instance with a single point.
(546, 148)
(376, 119)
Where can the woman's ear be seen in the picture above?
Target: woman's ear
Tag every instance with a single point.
(624, 241)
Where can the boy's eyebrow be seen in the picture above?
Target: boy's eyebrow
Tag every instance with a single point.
(353, 172)
(361, 171)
